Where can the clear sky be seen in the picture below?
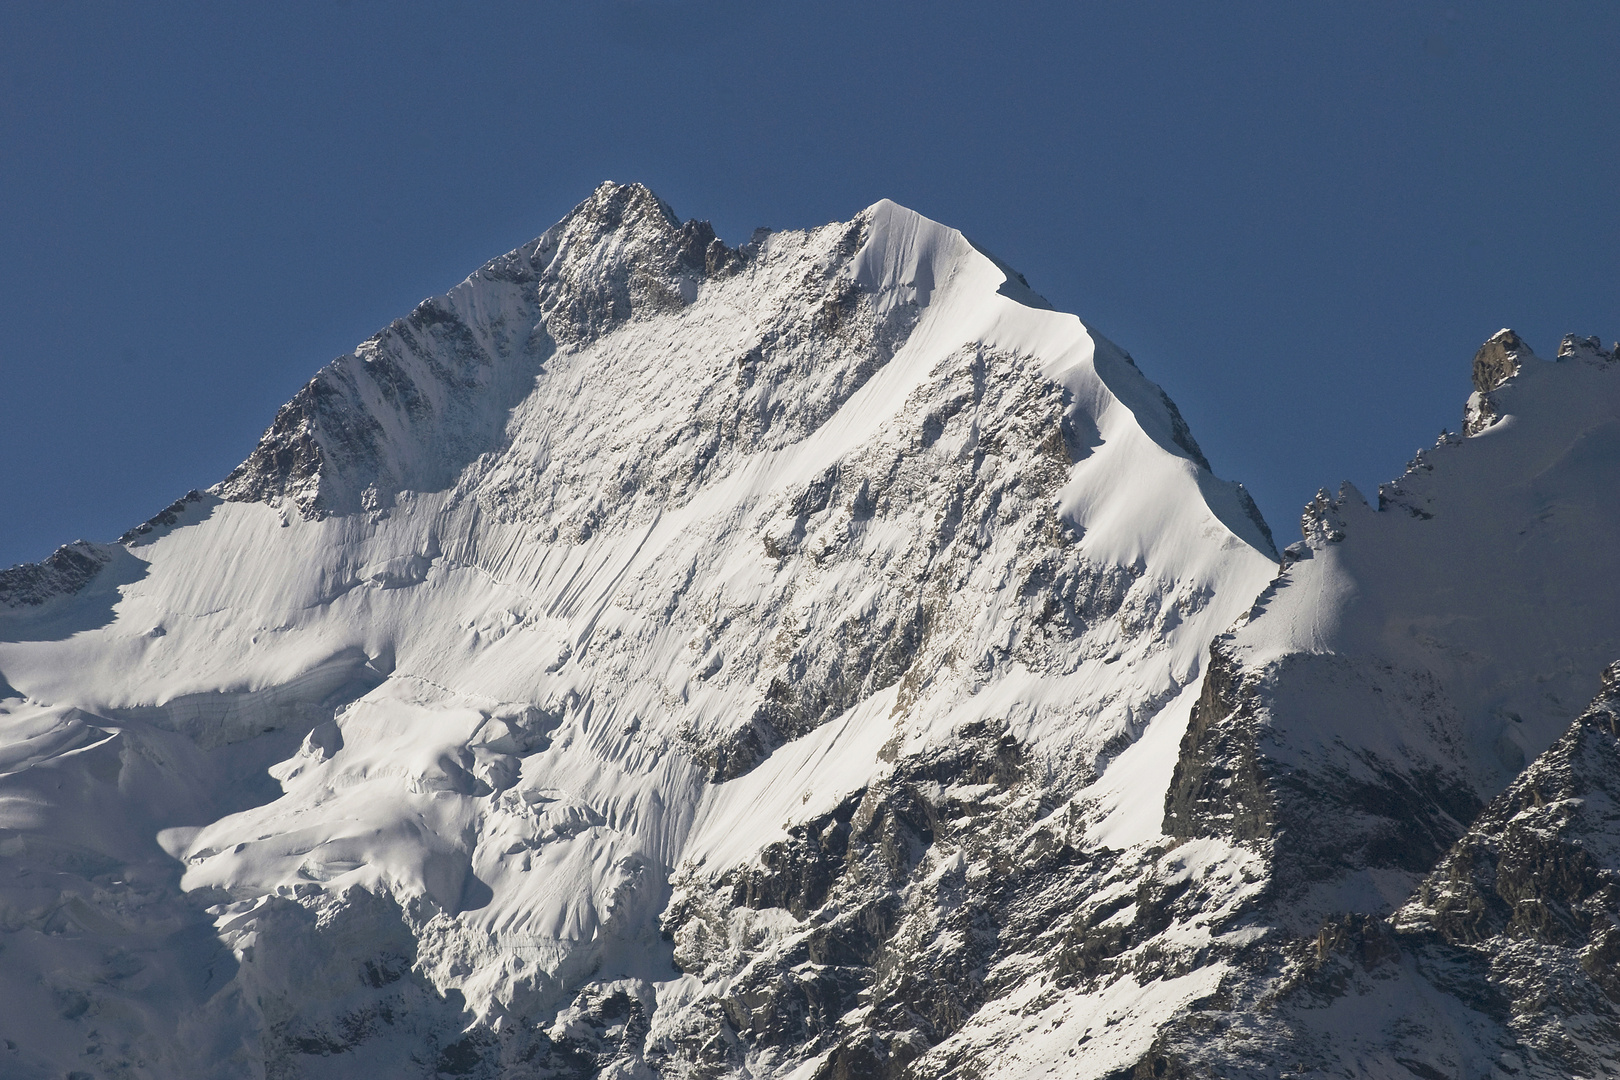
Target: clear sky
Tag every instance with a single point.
(1300, 218)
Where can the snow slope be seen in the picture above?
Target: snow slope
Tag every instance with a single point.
(587, 586)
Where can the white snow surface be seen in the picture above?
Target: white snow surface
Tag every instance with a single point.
(1462, 626)
(489, 682)
(1491, 571)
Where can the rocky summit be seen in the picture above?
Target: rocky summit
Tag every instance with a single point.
(816, 659)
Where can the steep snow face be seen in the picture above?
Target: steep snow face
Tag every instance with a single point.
(1489, 564)
(623, 561)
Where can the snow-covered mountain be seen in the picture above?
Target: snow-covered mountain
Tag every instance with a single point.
(1356, 734)
(816, 658)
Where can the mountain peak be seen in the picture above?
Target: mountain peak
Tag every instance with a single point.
(414, 404)
(1499, 359)
(638, 593)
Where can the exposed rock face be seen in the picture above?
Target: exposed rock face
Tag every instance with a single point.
(1220, 786)
(1325, 813)
(1497, 361)
(1501, 964)
(1530, 899)
(918, 929)
(1586, 348)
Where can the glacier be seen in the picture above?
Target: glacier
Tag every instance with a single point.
(814, 658)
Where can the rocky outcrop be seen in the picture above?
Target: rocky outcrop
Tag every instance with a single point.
(1324, 812)
(620, 254)
(174, 514)
(1497, 361)
(868, 942)
(1501, 964)
(1575, 347)
(1220, 786)
(885, 938)
(1530, 897)
(68, 570)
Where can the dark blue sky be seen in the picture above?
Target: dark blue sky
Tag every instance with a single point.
(1301, 219)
